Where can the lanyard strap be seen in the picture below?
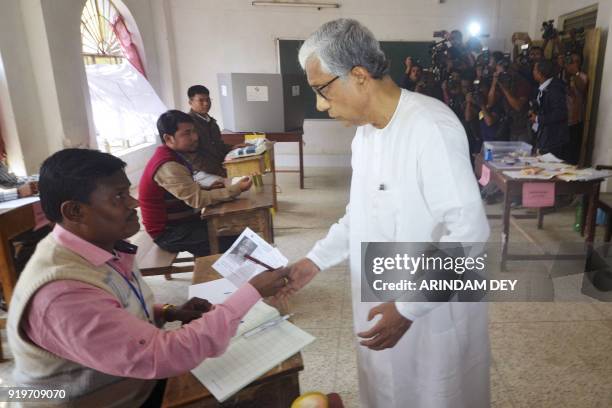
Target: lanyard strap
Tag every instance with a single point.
(137, 292)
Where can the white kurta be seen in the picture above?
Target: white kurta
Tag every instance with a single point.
(430, 195)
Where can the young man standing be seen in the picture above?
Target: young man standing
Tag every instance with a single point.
(83, 319)
(170, 199)
(211, 150)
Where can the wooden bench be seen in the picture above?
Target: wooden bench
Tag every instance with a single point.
(152, 260)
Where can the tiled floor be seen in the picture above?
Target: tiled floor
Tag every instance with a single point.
(544, 354)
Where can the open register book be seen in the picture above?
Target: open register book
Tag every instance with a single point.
(247, 358)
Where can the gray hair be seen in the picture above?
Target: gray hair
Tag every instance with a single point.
(340, 45)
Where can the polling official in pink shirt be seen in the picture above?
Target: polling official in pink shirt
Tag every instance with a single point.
(82, 315)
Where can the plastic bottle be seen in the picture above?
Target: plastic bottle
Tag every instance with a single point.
(579, 213)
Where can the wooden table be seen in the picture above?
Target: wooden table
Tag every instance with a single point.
(513, 188)
(251, 209)
(275, 389)
(233, 138)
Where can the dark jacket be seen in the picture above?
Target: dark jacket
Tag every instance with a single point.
(211, 149)
(553, 131)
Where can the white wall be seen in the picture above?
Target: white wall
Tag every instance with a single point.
(214, 36)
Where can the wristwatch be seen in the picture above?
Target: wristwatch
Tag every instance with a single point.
(165, 309)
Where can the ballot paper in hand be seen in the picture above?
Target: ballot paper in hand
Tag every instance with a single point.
(215, 291)
(237, 269)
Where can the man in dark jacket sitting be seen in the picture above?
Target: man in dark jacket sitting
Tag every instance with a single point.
(549, 116)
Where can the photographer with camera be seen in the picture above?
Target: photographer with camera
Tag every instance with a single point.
(452, 94)
(461, 51)
(549, 114)
(484, 120)
(470, 123)
(476, 106)
(527, 62)
(412, 75)
(513, 91)
(577, 87)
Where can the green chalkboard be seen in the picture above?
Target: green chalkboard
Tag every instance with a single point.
(396, 52)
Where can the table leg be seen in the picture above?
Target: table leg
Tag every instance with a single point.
(591, 213)
(301, 150)
(540, 218)
(266, 225)
(271, 225)
(273, 169)
(213, 240)
(506, 230)
(585, 204)
(8, 277)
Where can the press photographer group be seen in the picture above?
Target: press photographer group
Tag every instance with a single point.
(536, 94)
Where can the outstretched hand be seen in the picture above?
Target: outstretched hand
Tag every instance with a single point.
(299, 274)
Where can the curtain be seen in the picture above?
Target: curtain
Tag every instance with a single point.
(127, 46)
(124, 105)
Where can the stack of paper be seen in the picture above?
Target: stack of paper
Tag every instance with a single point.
(247, 358)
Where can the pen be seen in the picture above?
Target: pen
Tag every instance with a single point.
(267, 325)
(258, 262)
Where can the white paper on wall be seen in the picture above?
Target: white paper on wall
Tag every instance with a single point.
(257, 93)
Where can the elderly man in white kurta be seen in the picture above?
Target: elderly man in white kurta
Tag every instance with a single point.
(412, 182)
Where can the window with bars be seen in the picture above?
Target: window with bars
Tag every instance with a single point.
(100, 44)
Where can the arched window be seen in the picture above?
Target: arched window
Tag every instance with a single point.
(100, 43)
(125, 107)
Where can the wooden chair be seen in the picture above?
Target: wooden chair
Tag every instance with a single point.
(152, 260)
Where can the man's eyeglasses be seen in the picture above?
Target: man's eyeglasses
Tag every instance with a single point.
(319, 89)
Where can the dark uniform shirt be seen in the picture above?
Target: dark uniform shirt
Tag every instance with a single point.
(211, 149)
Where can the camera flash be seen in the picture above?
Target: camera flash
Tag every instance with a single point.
(474, 29)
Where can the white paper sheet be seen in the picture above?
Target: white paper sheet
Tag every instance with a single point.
(215, 291)
(237, 269)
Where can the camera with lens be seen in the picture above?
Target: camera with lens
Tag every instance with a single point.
(484, 58)
(548, 30)
(523, 57)
(505, 78)
(440, 34)
(474, 90)
(439, 57)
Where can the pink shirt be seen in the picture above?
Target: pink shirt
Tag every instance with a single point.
(88, 325)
